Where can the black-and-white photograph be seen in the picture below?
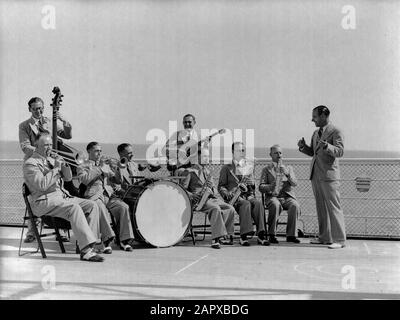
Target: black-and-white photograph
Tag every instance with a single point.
(222, 151)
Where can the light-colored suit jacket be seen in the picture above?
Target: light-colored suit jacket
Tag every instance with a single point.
(28, 131)
(268, 177)
(42, 181)
(95, 180)
(324, 164)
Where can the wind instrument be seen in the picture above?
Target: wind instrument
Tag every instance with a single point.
(56, 154)
(205, 193)
(279, 177)
(241, 188)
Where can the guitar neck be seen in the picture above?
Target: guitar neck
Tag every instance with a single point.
(208, 137)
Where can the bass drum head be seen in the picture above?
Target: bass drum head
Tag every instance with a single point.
(163, 213)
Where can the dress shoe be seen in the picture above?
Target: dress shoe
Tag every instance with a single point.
(125, 247)
(107, 250)
(62, 238)
(336, 246)
(91, 256)
(292, 239)
(227, 241)
(244, 243)
(29, 238)
(273, 239)
(263, 242)
(215, 244)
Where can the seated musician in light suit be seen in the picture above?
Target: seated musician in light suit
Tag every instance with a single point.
(221, 215)
(248, 207)
(279, 197)
(96, 176)
(42, 175)
(28, 131)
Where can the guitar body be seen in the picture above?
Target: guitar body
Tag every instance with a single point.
(186, 153)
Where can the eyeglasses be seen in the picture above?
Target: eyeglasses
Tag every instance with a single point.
(37, 109)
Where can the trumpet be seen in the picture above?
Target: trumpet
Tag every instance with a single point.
(76, 157)
(111, 161)
(55, 154)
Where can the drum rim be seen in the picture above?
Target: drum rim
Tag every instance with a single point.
(135, 207)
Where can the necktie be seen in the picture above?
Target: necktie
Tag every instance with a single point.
(320, 132)
(41, 128)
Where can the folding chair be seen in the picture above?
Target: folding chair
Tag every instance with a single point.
(52, 222)
(198, 226)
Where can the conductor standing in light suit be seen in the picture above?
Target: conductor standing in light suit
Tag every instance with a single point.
(326, 146)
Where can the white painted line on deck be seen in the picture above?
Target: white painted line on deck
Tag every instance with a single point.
(190, 264)
(367, 248)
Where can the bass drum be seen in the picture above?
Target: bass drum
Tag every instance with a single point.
(162, 213)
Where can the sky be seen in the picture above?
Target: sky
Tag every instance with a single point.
(129, 67)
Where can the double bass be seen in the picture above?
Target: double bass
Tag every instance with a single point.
(58, 144)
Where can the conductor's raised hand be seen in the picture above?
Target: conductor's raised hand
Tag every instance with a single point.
(301, 143)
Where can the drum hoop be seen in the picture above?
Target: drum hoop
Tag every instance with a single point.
(135, 207)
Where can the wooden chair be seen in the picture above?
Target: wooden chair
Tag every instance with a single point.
(52, 222)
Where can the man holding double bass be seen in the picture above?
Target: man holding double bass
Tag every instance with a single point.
(28, 131)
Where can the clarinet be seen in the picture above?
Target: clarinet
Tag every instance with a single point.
(279, 177)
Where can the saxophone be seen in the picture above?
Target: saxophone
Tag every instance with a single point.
(205, 194)
(241, 188)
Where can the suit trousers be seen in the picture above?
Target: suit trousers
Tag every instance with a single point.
(275, 206)
(329, 212)
(120, 210)
(106, 231)
(82, 214)
(248, 211)
(221, 216)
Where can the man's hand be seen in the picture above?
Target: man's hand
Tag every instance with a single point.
(209, 184)
(58, 162)
(196, 197)
(284, 170)
(61, 117)
(323, 144)
(301, 143)
(106, 170)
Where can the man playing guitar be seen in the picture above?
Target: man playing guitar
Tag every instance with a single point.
(183, 146)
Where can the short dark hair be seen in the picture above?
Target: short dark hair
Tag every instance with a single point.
(91, 145)
(189, 115)
(322, 110)
(34, 100)
(235, 143)
(122, 147)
